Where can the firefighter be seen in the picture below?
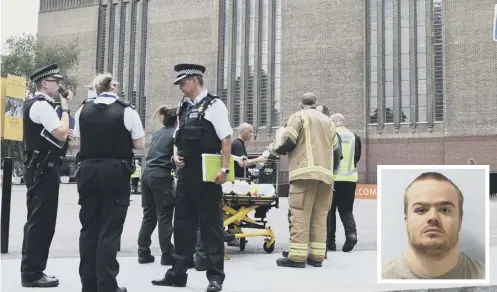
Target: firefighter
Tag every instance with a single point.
(311, 143)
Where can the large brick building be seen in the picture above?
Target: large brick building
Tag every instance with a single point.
(416, 79)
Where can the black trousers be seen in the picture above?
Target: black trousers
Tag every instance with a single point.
(343, 200)
(134, 183)
(198, 204)
(158, 200)
(104, 196)
(42, 202)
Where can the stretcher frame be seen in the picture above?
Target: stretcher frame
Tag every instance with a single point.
(240, 219)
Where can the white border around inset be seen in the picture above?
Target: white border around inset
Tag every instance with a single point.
(379, 170)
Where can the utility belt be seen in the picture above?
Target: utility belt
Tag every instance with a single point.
(195, 156)
(41, 161)
(128, 164)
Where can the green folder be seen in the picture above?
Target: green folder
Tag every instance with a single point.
(212, 164)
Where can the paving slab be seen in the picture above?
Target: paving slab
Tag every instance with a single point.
(250, 270)
(355, 271)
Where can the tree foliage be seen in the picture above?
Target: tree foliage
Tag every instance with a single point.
(25, 54)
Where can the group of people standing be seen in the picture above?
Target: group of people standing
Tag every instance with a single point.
(108, 130)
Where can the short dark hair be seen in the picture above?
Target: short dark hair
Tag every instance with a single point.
(308, 99)
(437, 177)
(326, 111)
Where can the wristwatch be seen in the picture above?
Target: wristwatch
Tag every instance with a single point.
(225, 170)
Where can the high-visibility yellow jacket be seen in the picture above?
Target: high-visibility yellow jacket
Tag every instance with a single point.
(309, 139)
(137, 172)
(347, 171)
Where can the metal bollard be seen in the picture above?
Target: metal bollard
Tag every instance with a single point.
(6, 198)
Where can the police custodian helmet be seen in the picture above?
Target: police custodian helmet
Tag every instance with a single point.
(185, 70)
(48, 71)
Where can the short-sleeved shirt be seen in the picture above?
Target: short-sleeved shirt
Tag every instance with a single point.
(466, 268)
(238, 149)
(132, 120)
(217, 114)
(42, 112)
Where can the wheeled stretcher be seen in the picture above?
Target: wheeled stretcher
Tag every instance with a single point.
(246, 196)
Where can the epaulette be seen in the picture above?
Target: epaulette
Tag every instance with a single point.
(213, 101)
(213, 96)
(88, 100)
(124, 103)
(40, 97)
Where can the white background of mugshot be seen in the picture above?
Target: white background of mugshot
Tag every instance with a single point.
(393, 231)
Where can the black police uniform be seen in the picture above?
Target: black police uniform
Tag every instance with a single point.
(158, 196)
(42, 178)
(197, 202)
(105, 157)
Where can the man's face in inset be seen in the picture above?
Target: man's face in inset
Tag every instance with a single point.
(432, 217)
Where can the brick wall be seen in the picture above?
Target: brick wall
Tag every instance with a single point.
(78, 24)
(323, 52)
(179, 32)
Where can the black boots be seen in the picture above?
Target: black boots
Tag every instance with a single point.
(44, 282)
(350, 242)
(310, 262)
(170, 279)
(214, 286)
(146, 258)
(350, 232)
(287, 263)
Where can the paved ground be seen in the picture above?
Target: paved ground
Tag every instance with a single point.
(251, 270)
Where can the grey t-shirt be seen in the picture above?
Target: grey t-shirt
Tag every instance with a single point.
(467, 269)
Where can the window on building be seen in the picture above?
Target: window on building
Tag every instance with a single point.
(249, 61)
(124, 52)
(402, 39)
(102, 37)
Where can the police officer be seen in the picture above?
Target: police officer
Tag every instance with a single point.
(41, 172)
(157, 190)
(345, 185)
(203, 128)
(108, 129)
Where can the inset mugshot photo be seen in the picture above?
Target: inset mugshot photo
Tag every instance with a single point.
(433, 224)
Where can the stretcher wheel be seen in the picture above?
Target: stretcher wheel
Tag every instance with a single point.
(243, 241)
(268, 249)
